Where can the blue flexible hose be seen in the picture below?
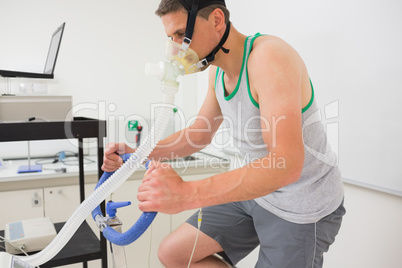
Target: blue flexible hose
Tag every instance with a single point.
(138, 228)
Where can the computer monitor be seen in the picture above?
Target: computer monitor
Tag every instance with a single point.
(50, 60)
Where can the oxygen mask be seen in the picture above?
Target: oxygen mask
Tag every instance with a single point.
(187, 61)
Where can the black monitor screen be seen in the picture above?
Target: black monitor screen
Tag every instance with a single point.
(53, 51)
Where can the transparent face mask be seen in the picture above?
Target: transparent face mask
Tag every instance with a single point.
(188, 63)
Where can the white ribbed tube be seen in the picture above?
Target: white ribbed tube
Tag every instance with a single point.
(109, 186)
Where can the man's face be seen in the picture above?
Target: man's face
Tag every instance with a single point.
(203, 41)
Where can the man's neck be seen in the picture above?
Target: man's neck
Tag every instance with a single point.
(231, 62)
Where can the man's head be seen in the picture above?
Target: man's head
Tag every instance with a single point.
(207, 19)
(205, 8)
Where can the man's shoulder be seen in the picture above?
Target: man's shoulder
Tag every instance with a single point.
(269, 44)
(270, 49)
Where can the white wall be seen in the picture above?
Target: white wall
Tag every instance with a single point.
(352, 51)
(371, 233)
(354, 47)
(103, 52)
(105, 48)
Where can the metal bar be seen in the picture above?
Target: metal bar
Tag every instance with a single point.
(81, 169)
(80, 127)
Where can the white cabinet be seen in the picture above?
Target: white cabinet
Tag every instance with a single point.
(61, 202)
(20, 205)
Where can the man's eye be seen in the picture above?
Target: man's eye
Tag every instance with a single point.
(177, 37)
(181, 35)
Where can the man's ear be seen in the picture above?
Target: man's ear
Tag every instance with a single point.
(218, 18)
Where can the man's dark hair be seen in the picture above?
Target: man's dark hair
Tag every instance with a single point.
(169, 6)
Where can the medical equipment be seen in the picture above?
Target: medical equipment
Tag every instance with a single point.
(168, 73)
(185, 54)
(132, 234)
(9, 261)
(138, 136)
(29, 235)
(29, 168)
(134, 125)
(196, 237)
(187, 61)
(118, 253)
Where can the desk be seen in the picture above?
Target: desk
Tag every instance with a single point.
(79, 128)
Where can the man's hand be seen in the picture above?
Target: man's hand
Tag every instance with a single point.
(111, 158)
(162, 190)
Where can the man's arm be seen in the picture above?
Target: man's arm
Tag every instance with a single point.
(197, 136)
(275, 72)
(182, 143)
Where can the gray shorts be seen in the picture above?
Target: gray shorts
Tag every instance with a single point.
(241, 226)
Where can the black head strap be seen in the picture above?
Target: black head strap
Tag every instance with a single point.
(192, 9)
(192, 6)
(191, 21)
(211, 56)
(201, 4)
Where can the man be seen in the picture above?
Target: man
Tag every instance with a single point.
(293, 210)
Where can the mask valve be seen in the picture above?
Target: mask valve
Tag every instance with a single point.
(167, 72)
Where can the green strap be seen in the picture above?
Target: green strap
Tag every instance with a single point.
(311, 99)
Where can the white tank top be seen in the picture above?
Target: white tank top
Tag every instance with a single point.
(319, 191)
